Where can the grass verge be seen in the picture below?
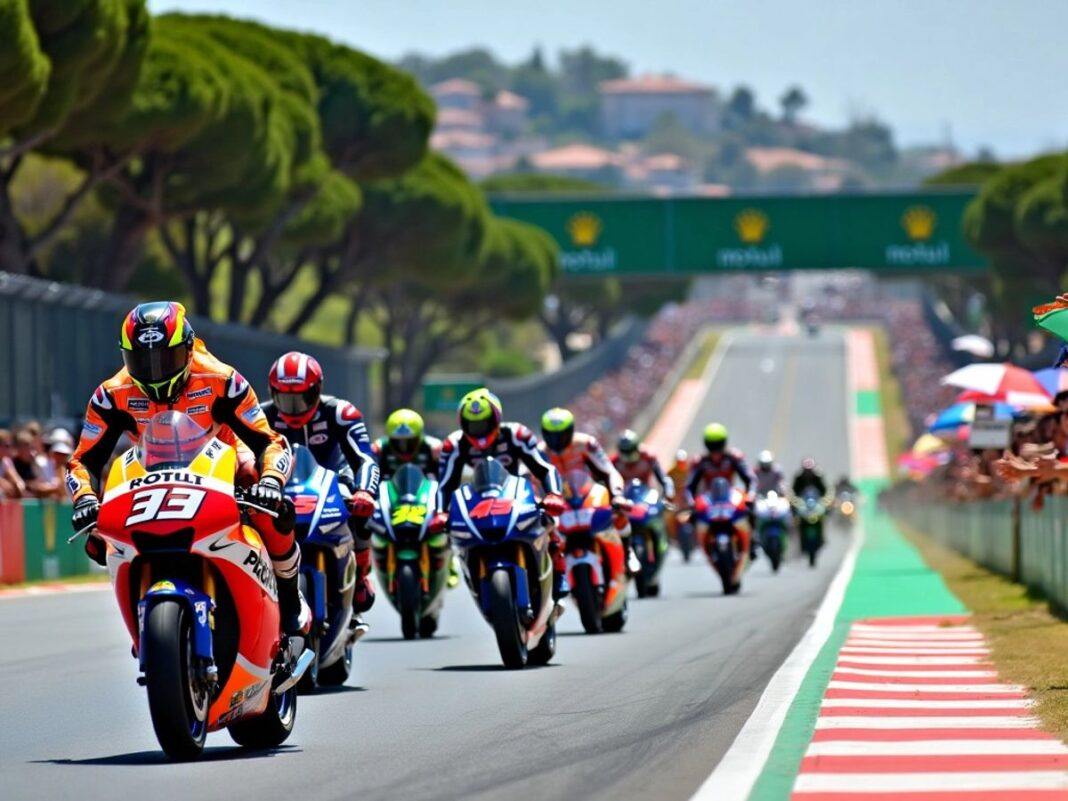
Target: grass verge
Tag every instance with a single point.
(704, 353)
(1028, 640)
(895, 422)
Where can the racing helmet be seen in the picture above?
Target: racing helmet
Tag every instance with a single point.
(405, 431)
(720, 489)
(480, 417)
(557, 429)
(157, 342)
(628, 446)
(296, 382)
(766, 460)
(715, 437)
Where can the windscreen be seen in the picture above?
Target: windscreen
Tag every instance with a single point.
(171, 439)
(304, 465)
(407, 481)
(490, 474)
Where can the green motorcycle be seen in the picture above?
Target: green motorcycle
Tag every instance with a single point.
(411, 560)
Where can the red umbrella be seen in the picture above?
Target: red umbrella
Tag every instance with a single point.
(999, 382)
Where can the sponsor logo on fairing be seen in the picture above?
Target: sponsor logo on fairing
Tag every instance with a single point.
(196, 410)
(137, 404)
(262, 570)
(91, 429)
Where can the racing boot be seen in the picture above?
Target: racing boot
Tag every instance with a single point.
(561, 586)
(364, 596)
(454, 572)
(293, 609)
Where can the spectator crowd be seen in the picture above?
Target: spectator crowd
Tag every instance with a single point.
(33, 464)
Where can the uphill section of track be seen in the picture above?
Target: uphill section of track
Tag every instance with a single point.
(642, 714)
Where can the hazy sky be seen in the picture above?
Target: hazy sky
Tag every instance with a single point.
(994, 72)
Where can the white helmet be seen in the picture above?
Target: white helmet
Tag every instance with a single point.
(766, 460)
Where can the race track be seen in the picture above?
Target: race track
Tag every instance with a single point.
(643, 714)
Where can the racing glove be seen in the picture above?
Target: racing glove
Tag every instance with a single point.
(86, 508)
(621, 504)
(553, 504)
(362, 504)
(267, 492)
(439, 522)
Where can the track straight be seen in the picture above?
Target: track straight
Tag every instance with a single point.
(950, 736)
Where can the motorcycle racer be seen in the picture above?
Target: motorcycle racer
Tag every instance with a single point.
(635, 462)
(334, 431)
(482, 435)
(769, 476)
(405, 443)
(720, 461)
(166, 367)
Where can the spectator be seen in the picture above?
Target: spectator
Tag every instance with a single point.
(11, 483)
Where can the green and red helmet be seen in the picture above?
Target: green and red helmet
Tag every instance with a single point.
(157, 347)
(480, 417)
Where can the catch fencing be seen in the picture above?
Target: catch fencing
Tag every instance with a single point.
(58, 341)
(1005, 536)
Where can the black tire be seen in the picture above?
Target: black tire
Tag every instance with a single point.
(774, 551)
(585, 595)
(310, 679)
(179, 714)
(270, 728)
(545, 650)
(641, 583)
(812, 557)
(428, 626)
(338, 673)
(505, 619)
(654, 590)
(409, 596)
(615, 622)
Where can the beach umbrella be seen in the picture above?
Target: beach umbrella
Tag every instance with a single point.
(1003, 382)
(961, 414)
(977, 346)
(928, 444)
(1053, 379)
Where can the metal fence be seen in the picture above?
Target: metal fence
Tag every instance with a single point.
(58, 341)
(1005, 536)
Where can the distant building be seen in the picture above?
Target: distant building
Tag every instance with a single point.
(457, 93)
(508, 113)
(819, 173)
(663, 173)
(630, 107)
(580, 161)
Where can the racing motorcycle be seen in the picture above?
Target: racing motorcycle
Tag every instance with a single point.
(811, 511)
(596, 562)
(502, 536)
(648, 537)
(327, 567)
(197, 592)
(846, 503)
(773, 521)
(411, 560)
(722, 515)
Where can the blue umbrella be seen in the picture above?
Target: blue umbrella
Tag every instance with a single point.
(962, 414)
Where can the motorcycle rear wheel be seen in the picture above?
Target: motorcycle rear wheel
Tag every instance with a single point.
(615, 622)
(585, 595)
(409, 595)
(338, 673)
(505, 619)
(545, 650)
(271, 727)
(179, 711)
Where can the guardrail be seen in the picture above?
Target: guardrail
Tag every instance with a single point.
(1006, 536)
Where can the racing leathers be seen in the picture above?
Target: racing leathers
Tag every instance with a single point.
(337, 437)
(810, 479)
(769, 479)
(389, 461)
(729, 464)
(514, 447)
(644, 469)
(218, 399)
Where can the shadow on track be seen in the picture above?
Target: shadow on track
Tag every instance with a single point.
(216, 754)
(483, 668)
(401, 639)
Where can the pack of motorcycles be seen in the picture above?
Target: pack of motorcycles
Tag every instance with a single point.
(195, 587)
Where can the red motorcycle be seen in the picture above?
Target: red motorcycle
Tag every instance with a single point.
(197, 592)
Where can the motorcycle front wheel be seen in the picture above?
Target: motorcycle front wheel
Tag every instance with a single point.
(504, 616)
(585, 595)
(179, 709)
(409, 595)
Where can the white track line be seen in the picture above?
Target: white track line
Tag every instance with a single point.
(912, 703)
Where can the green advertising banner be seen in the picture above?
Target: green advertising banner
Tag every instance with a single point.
(898, 232)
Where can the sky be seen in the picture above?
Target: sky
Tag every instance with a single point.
(983, 72)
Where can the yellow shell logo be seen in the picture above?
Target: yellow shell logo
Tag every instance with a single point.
(584, 229)
(752, 225)
(919, 223)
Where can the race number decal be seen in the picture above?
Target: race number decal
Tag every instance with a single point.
(411, 514)
(165, 503)
(491, 507)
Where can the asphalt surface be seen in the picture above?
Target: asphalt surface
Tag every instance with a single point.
(642, 714)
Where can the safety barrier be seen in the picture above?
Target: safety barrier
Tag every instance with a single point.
(33, 542)
(1006, 536)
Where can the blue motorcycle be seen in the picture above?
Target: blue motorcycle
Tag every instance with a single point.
(499, 530)
(648, 537)
(327, 567)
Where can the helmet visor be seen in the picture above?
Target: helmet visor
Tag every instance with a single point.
(404, 446)
(295, 403)
(155, 365)
(558, 440)
(479, 429)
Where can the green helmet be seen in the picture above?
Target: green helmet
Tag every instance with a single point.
(715, 437)
(557, 428)
(405, 431)
(480, 417)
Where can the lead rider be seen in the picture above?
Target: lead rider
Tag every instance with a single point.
(167, 368)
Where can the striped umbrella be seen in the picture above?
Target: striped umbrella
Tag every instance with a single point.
(1053, 379)
(962, 414)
